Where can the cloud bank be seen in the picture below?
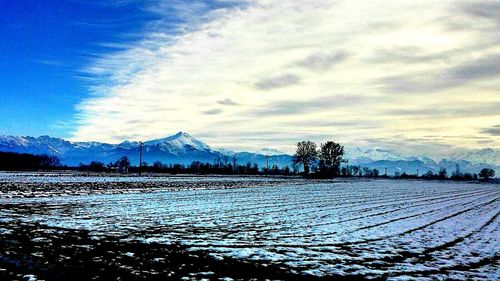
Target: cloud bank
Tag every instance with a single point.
(244, 75)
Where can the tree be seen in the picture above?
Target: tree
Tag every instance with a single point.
(442, 174)
(344, 171)
(14, 161)
(47, 161)
(356, 170)
(96, 166)
(255, 169)
(323, 169)
(123, 164)
(428, 175)
(158, 166)
(366, 172)
(457, 174)
(467, 176)
(487, 173)
(457, 171)
(331, 154)
(286, 171)
(306, 154)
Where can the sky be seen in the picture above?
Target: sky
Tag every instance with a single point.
(420, 77)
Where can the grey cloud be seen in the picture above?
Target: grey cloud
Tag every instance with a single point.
(482, 17)
(449, 78)
(227, 102)
(286, 137)
(485, 68)
(405, 55)
(289, 107)
(279, 81)
(489, 10)
(358, 124)
(322, 61)
(283, 136)
(127, 137)
(212, 111)
(448, 111)
(485, 141)
(230, 122)
(494, 131)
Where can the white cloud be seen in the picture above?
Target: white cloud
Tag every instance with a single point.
(273, 62)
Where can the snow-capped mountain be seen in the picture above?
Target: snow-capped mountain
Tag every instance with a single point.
(40, 145)
(270, 151)
(128, 144)
(182, 148)
(357, 155)
(180, 142)
(226, 152)
(360, 155)
(487, 156)
(381, 159)
(179, 148)
(424, 159)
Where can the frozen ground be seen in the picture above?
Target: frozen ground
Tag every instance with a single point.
(39, 184)
(390, 229)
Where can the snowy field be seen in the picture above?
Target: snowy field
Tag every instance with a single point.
(391, 229)
(72, 177)
(49, 184)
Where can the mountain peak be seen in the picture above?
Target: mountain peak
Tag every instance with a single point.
(180, 141)
(181, 135)
(270, 151)
(178, 136)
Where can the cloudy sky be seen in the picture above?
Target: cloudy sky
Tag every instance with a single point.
(417, 76)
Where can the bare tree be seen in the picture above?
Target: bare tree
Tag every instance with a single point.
(332, 155)
(306, 154)
(123, 164)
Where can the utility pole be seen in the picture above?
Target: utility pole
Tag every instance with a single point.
(417, 173)
(140, 157)
(386, 172)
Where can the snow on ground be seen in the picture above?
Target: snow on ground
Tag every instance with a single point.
(73, 177)
(394, 229)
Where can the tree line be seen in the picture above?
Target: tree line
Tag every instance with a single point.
(328, 158)
(10, 161)
(326, 162)
(196, 167)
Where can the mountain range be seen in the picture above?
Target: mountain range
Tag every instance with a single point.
(182, 148)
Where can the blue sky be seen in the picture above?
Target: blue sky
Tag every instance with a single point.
(44, 48)
(415, 76)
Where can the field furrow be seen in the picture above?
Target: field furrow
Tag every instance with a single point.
(362, 229)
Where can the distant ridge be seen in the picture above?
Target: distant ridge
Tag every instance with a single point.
(182, 148)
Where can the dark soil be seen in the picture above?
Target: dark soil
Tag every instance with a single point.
(49, 253)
